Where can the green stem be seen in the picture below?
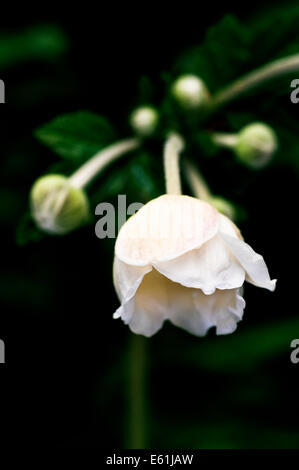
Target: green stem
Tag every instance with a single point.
(173, 146)
(225, 140)
(197, 183)
(98, 162)
(136, 436)
(257, 77)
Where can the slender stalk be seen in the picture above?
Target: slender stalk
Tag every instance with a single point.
(225, 140)
(197, 183)
(136, 436)
(257, 77)
(92, 167)
(201, 191)
(173, 146)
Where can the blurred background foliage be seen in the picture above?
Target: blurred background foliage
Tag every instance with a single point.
(70, 85)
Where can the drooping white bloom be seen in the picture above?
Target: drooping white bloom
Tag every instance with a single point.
(179, 259)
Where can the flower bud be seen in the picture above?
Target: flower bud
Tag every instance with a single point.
(223, 206)
(190, 92)
(57, 207)
(255, 145)
(144, 120)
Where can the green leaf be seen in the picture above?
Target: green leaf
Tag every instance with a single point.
(223, 54)
(76, 136)
(44, 42)
(113, 183)
(232, 48)
(143, 178)
(284, 37)
(136, 178)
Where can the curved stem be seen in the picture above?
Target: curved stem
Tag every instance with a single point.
(173, 146)
(272, 70)
(137, 399)
(92, 167)
(198, 185)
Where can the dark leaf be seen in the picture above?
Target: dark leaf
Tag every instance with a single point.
(45, 42)
(76, 136)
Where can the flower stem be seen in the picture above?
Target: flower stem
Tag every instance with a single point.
(197, 183)
(92, 167)
(173, 146)
(225, 140)
(136, 435)
(257, 77)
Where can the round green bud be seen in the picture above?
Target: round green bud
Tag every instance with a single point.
(223, 206)
(190, 92)
(144, 120)
(256, 144)
(56, 206)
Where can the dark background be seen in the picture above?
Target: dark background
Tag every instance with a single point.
(64, 381)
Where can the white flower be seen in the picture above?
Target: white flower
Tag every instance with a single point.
(179, 259)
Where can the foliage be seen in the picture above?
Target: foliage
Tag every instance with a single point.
(42, 43)
(77, 136)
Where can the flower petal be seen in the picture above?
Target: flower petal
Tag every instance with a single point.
(158, 298)
(222, 309)
(146, 311)
(127, 278)
(166, 228)
(252, 262)
(210, 267)
(228, 227)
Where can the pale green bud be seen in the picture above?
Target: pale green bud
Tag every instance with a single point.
(57, 207)
(223, 206)
(255, 145)
(190, 92)
(144, 120)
